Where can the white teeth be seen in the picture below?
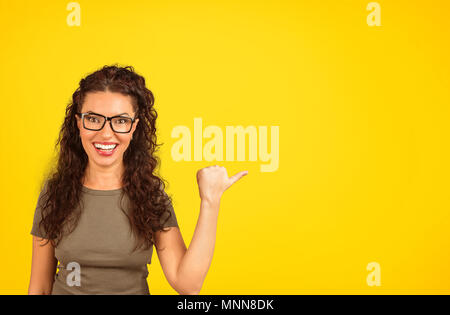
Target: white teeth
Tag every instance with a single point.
(105, 147)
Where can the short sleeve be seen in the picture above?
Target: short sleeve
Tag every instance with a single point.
(36, 230)
(172, 221)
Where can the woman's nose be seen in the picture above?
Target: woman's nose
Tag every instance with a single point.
(107, 132)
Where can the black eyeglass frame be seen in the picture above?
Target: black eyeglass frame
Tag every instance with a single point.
(105, 120)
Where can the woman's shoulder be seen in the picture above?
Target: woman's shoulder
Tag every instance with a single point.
(36, 229)
(43, 191)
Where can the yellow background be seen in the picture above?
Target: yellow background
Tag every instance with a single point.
(363, 115)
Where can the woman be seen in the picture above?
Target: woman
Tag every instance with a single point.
(103, 208)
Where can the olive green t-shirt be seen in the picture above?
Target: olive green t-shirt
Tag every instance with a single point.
(97, 257)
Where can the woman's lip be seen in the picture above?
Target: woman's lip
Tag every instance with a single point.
(105, 143)
(105, 153)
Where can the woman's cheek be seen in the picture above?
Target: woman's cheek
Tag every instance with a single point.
(124, 143)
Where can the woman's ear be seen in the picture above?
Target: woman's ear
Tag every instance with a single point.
(134, 127)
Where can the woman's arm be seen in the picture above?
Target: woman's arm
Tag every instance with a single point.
(43, 267)
(186, 269)
(196, 261)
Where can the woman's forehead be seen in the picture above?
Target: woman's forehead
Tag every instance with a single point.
(107, 103)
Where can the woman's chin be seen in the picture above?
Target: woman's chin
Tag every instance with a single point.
(105, 161)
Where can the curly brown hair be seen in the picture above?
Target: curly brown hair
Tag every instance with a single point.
(145, 190)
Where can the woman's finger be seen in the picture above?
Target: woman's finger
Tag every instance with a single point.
(236, 177)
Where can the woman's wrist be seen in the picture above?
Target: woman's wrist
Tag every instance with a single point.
(210, 201)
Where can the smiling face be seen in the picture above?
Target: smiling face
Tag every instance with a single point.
(105, 147)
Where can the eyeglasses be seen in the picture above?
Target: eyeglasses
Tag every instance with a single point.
(96, 122)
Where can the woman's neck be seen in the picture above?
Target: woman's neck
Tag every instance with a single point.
(100, 178)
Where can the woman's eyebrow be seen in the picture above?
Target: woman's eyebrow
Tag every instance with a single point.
(92, 112)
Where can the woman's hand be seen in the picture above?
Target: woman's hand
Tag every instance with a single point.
(213, 181)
